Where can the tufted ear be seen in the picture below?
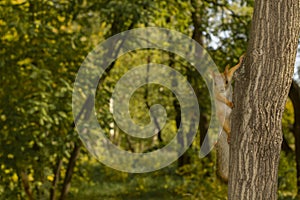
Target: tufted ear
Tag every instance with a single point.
(211, 74)
(226, 69)
(233, 69)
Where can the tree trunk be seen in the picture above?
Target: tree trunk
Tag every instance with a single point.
(56, 171)
(197, 36)
(295, 98)
(26, 185)
(285, 147)
(70, 170)
(261, 91)
(197, 19)
(85, 110)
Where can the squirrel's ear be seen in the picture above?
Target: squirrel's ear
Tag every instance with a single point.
(211, 73)
(242, 57)
(226, 69)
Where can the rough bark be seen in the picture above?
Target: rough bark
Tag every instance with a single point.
(261, 91)
(295, 98)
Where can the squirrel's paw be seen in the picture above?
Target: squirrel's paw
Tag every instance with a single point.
(228, 140)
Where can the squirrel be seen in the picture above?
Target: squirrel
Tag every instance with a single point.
(223, 95)
(223, 101)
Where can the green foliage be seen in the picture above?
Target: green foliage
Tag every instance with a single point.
(287, 177)
(287, 166)
(287, 123)
(37, 68)
(200, 180)
(43, 44)
(107, 183)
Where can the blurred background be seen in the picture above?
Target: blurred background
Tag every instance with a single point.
(42, 45)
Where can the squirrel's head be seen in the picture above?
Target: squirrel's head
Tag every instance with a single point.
(221, 80)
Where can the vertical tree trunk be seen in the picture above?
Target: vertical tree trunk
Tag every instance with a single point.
(197, 36)
(70, 170)
(26, 185)
(56, 172)
(197, 19)
(85, 111)
(285, 147)
(261, 91)
(295, 98)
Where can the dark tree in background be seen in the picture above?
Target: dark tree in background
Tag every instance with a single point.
(295, 98)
